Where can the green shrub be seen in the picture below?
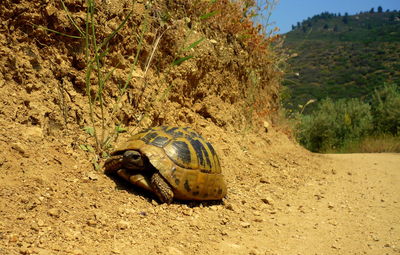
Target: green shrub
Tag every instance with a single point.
(385, 109)
(334, 123)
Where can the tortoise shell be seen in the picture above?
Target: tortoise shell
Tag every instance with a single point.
(184, 158)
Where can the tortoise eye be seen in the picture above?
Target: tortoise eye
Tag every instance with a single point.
(133, 155)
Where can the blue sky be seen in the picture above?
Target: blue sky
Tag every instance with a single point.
(288, 12)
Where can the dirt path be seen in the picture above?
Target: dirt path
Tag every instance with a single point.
(356, 210)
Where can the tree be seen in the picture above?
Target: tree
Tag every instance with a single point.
(345, 19)
(326, 26)
(380, 9)
(386, 109)
(293, 27)
(372, 10)
(335, 28)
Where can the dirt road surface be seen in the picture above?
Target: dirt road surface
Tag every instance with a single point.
(356, 210)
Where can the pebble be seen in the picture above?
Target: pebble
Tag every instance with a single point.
(122, 224)
(263, 180)
(91, 222)
(267, 200)
(173, 251)
(77, 252)
(92, 176)
(54, 212)
(245, 224)
(20, 148)
(231, 207)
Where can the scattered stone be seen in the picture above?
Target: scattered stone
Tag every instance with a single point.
(254, 252)
(77, 252)
(330, 205)
(187, 212)
(33, 132)
(122, 224)
(54, 212)
(245, 224)
(13, 238)
(91, 222)
(273, 164)
(40, 251)
(20, 148)
(173, 251)
(268, 200)
(263, 180)
(231, 207)
(92, 176)
(258, 219)
(266, 126)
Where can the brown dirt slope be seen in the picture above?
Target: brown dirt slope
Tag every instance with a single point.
(53, 201)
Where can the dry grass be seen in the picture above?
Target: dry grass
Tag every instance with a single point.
(370, 144)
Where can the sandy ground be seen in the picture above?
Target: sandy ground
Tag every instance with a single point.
(355, 210)
(351, 207)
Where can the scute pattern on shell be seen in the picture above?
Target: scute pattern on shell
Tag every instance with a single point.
(184, 147)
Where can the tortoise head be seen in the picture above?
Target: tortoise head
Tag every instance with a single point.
(133, 160)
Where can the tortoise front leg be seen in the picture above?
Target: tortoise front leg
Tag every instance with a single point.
(112, 164)
(161, 188)
(136, 179)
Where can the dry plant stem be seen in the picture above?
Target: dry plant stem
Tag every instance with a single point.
(89, 71)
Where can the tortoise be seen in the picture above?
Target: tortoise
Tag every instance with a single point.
(171, 162)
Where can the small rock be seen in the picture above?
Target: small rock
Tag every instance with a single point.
(258, 219)
(268, 200)
(50, 9)
(13, 238)
(263, 180)
(330, 205)
(122, 224)
(54, 212)
(231, 207)
(92, 176)
(40, 251)
(78, 252)
(33, 132)
(273, 164)
(245, 224)
(266, 126)
(20, 148)
(173, 251)
(91, 222)
(254, 252)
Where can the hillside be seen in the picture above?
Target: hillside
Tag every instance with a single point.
(342, 56)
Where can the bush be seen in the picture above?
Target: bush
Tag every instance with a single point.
(385, 109)
(334, 123)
